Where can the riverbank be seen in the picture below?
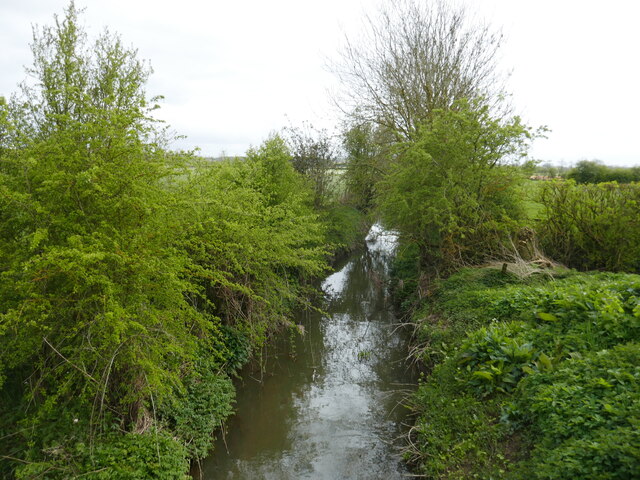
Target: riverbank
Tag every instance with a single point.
(325, 404)
(345, 230)
(526, 376)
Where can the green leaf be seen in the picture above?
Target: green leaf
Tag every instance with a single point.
(545, 362)
(547, 317)
(482, 374)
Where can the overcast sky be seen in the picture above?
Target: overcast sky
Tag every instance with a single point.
(233, 71)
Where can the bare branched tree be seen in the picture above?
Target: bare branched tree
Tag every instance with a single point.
(313, 154)
(415, 57)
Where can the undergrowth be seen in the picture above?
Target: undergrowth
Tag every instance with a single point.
(534, 377)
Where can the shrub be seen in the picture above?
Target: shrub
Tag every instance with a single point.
(451, 191)
(592, 226)
(590, 171)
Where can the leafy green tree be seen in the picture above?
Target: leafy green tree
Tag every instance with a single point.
(92, 298)
(594, 171)
(450, 192)
(133, 279)
(365, 163)
(588, 171)
(253, 237)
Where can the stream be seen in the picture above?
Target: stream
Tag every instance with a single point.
(328, 403)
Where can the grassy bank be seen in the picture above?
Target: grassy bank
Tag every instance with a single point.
(533, 376)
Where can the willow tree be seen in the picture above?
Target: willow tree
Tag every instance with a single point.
(414, 58)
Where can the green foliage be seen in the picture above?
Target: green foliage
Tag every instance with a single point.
(313, 155)
(196, 413)
(585, 416)
(593, 171)
(133, 280)
(405, 276)
(457, 435)
(592, 226)
(91, 290)
(550, 366)
(346, 227)
(152, 455)
(451, 191)
(365, 163)
(495, 361)
(460, 305)
(253, 238)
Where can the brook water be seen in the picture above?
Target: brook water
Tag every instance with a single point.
(328, 404)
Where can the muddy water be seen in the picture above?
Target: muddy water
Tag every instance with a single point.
(327, 406)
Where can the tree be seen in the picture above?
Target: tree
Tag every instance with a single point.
(450, 191)
(313, 155)
(588, 171)
(413, 59)
(594, 171)
(365, 163)
(93, 319)
(133, 279)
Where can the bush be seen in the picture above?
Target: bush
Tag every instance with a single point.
(592, 227)
(132, 277)
(452, 191)
(590, 171)
(346, 228)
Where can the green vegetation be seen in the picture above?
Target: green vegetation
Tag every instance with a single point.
(134, 281)
(592, 226)
(451, 192)
(314, 157)
(365, 164)
(532, 377)
(527, 375)
(591, 171)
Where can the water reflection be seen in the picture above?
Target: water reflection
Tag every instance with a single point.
(327, 408)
